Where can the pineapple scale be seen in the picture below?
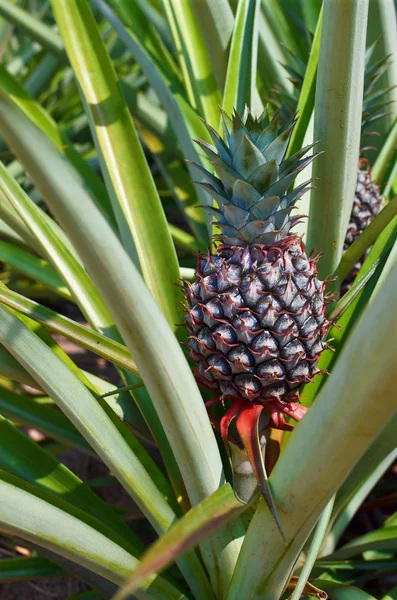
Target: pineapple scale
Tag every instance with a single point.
(256, 320)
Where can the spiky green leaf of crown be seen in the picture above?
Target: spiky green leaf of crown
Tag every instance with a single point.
(253, 179)
(374, 101)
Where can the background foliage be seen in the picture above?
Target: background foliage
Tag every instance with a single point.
(99, 218)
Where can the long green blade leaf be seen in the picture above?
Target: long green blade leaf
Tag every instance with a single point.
(86, 414)
(344, 592)
(199, 78)
(11, 369)
(337, 124)
(96, 426)
(381, 539)
(45, 122)
(185, 120)
(91, 302)
(385, 155)
(382, 26)
(340, 333)
(128, 169)
(38, 30)
(51, 422)
(287, 36)
(22, 457)
(314, 550)
(216, 26)
(240, 82)
(161, 361)
(33, 267)
(201, 521)
(17, 569)
(37, 517)
(71, 271)
(307, 94)
(357, 498)
(270, 60)
(96, 342)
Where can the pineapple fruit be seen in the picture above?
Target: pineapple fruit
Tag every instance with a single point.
(256, 313)
(366, 205)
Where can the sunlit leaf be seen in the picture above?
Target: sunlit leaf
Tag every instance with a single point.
(201, 521)
(337, 124)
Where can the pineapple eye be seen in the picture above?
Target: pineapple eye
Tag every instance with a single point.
(271, 370)
(224, 336)
(264, 345)
(249, 385)
(219, 366)
(292, 352)
(241, 359)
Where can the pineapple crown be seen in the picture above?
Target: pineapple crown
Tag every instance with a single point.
(374, 100)
(253, 178)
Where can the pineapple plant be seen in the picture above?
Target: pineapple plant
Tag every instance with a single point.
(367, 200)
(112, 83)
(256, 309)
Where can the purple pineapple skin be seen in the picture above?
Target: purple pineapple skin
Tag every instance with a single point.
(366, 205)
(256, 320)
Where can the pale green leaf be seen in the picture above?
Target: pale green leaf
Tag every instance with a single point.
(51, 422)
(311, 11)
(38, 30)
(314, 550)
(53, 321)
(385, 155)
(216, 25)
(44, 121)
(200, 522)
(11, 369)
(39, 517)
(72, 272)
(91, 301)
(288, 36)
(374, 263)
(200, 83)
(121, 149)
(362, 479)
(382, 26)
(307, 94)
(22, 457)
(33, 267)
(381, 539)
(96, 425)
(342, 592)
(240, 84)
(337, 126)
(270, 60)
(185, 120)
